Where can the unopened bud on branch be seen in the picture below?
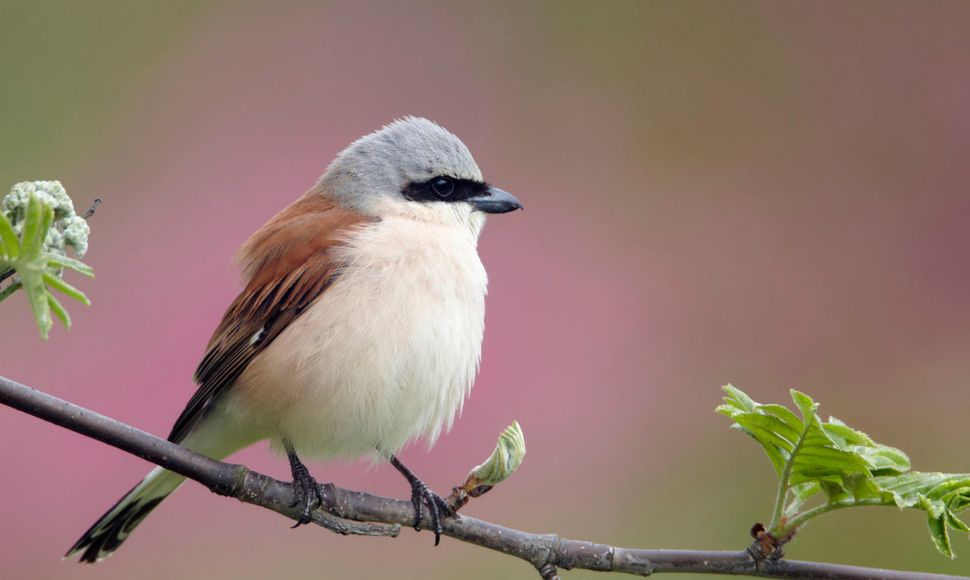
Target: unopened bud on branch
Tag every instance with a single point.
(497, 468)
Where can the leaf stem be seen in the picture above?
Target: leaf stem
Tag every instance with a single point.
(786, 478)
(800, 519)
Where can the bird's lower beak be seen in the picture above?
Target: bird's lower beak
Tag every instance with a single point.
(494, 200)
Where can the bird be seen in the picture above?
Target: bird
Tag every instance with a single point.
(358, 328)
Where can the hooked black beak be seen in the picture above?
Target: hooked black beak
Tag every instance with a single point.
(494, 200)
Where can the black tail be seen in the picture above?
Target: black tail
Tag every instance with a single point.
(109, 532)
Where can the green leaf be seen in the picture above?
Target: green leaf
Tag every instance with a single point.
(805, 404)
(742, 400)
(59, 284)
(815, 459)
(54, 260)
(32, 238)
(940, 535)
(956, 523)
(10, 243)
(801, 494)
(58, 309)
(37, 295)
(46, 219)
(799, 445)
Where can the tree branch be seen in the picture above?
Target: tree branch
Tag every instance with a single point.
(353, 512)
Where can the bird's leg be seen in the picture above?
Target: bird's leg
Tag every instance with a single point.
(422, 495)
(305, 487)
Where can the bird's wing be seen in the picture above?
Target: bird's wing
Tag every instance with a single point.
(287, 264)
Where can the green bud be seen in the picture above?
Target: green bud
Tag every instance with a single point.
(67, 230)
(505, 459)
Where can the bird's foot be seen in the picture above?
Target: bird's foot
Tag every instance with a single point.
(306, 490)
(421, 495)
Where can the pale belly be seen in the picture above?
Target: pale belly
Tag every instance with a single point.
(387, 354)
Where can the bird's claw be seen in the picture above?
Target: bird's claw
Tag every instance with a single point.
(306, 492)
(421, 495)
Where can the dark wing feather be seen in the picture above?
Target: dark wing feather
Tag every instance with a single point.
(287, 263)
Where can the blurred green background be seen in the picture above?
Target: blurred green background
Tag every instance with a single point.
(773, 194)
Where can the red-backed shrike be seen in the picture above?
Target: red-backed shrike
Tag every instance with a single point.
(359, 327)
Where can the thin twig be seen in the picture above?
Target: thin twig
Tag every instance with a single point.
(776, 513)
(94, 207)
(545, 552)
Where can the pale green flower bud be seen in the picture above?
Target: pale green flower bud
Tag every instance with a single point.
(54, 242)
(506, 458)
(68, 229)
(51, 193)
(76, 231)
(497, 468)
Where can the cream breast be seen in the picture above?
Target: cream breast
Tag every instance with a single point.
(387, 354)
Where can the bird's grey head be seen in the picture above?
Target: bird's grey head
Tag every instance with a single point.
(412, 166)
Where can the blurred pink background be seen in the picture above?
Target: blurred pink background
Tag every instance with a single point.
(763, 193)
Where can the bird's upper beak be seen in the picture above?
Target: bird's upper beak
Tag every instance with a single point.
(494, 200)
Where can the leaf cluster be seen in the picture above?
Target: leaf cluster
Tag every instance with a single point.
(38, 269)
(842, 467)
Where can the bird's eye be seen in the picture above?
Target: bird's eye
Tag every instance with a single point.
(443, 187)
